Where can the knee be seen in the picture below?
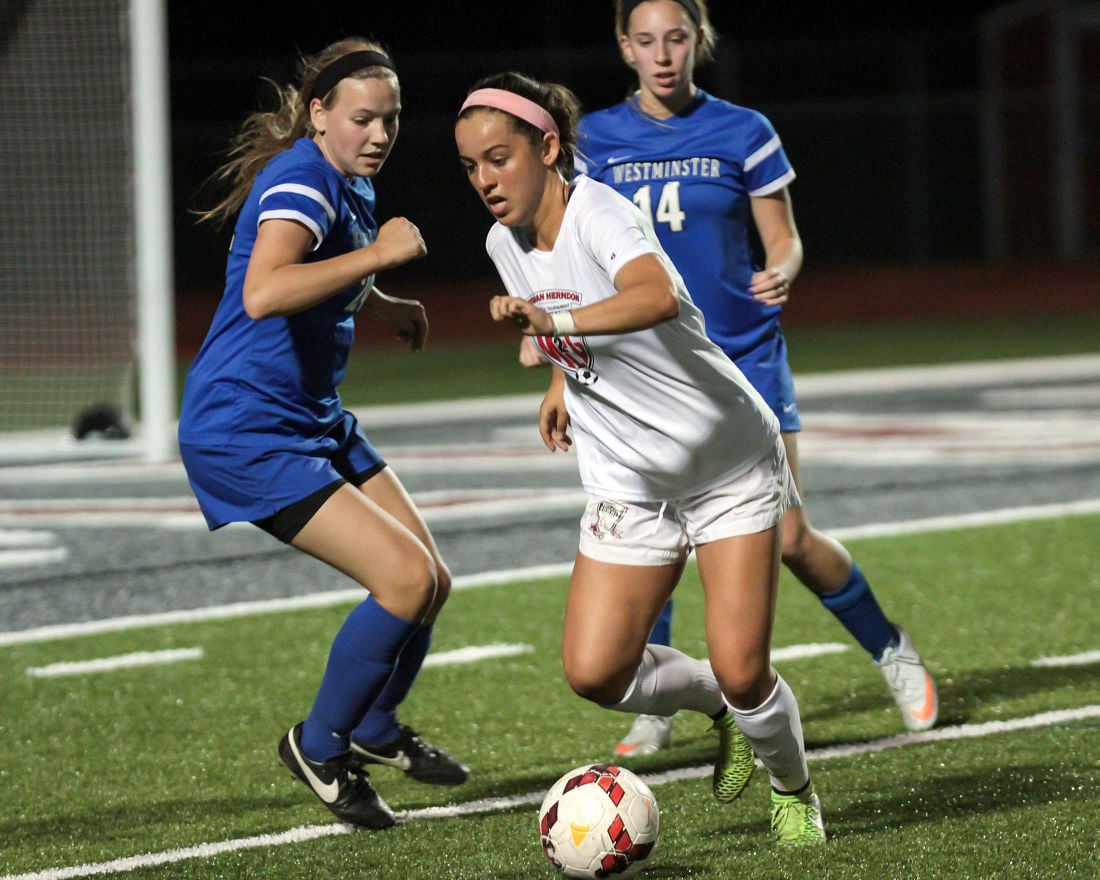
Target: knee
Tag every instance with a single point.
(414, 592)
(442, 583)
(796, 542)
(746, 687)
(442, 592)
(594, 683)
(600, 692)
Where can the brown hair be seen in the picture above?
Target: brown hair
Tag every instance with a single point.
(556, 99)
(705, 52)
(266, 133)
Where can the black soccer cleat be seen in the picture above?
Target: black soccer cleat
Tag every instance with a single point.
(416, 758)
(340, 783)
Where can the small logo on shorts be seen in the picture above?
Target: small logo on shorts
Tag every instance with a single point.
(606, 521)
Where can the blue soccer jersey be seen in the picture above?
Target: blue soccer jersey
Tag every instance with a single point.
(261, 424)
(694, 173)
(277, 377)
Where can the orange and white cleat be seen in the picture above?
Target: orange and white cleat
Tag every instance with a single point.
(910, 683)
(648, 734)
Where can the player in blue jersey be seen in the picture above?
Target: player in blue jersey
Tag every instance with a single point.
(262, 432)
(708, 172)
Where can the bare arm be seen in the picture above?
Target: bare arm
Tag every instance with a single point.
(774, 218)
(553, 418)
(645, 296)
(406, 316)
(279, 283)
(529, 354)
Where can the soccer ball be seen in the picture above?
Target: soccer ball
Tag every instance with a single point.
(599, 820)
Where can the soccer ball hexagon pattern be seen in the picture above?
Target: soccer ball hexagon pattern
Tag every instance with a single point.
(599, 820)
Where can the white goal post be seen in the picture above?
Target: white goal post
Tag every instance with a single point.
(86, 280)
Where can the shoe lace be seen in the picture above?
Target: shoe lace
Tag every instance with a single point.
(901, 679)
(724, 725)
(781, 818)
(412, 745)
(405, 731)
(792, 818)
(354, 777)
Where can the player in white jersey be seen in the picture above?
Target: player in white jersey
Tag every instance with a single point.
(655, 408)
(709, 173)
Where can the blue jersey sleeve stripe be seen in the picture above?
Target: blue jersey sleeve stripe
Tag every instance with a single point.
(307, 191)
(297, 216)
(761, 154)
(774, 185)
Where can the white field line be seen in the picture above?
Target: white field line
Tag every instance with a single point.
(25, 547)
(475, 654)
(1085, 659)
(438, 508)
(809, 385)
(439, 512)
(60, 446)
(110, 664)
(804, 652)
(1044, 396)
(956, 522)
(21, 538)
(994, 372)
(493, 805)
(12, 558)
(263, 606)
(997, 436)
(472, 654)
(538, 572)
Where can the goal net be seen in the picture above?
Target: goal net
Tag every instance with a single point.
(70, 316)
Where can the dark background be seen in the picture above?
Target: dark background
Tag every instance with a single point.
(280, 27)
(876, 103)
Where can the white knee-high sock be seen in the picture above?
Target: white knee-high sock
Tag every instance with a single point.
(667, 681)
(774, 730)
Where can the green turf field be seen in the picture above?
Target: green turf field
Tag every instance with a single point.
(448, 371)
(176, 759)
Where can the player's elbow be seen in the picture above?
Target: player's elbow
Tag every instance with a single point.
(666, 304)
(257, 303)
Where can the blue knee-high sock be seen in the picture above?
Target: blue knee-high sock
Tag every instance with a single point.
(360, 662)
(662, 629)
(380, 724)
(855, 606)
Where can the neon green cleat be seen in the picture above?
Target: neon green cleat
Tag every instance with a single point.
(796, 818)
(735, 764)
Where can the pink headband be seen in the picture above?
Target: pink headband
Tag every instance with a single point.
(517, 105)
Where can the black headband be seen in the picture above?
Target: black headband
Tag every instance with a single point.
(690, 5)
(344, 66)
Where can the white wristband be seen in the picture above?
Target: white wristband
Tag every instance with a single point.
(563, 323)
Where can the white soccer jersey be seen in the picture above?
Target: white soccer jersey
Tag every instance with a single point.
(658, 414)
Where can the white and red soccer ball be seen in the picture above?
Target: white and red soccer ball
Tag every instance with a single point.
(599, 820)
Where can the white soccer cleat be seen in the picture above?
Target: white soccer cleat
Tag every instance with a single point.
(648, 734)
(910, 683)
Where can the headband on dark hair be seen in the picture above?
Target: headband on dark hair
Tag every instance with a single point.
(690, 5)
(344, 66)
(522, 108)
